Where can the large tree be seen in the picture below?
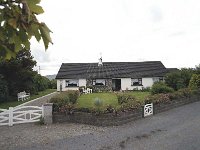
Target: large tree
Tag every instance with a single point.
(18, 24)
(18, 72)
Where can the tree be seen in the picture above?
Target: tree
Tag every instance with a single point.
(179, 79)
(18, 24)
(195, 81)
(18, 72)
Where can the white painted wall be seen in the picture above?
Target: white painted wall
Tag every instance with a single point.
(126, 84)
(82, 82)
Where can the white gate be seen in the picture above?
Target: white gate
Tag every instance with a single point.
(23, 114)
(148, 110)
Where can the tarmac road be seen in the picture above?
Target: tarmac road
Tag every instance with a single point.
(176, 129)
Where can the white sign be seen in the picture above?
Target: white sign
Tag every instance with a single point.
(148, 110)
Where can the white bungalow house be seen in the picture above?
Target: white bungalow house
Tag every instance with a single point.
(110, 75)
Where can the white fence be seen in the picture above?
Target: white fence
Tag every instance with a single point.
(17, 115)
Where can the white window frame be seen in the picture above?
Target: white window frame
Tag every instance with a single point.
(97, 82)
(158, 79)
(136, 80)
(75, 83)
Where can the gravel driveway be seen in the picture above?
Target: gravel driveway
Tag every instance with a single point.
(175, 129)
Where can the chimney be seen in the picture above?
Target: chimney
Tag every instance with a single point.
(100, 62)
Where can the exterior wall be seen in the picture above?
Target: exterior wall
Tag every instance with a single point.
(108, 86)
(82, 82)
(126, 84)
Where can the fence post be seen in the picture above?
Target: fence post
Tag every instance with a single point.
(47, 113)
(10, 116)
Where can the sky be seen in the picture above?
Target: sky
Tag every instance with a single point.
(120, 30)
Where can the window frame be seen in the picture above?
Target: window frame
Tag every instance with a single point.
(95, 83)
(72, 85)
(139, 82)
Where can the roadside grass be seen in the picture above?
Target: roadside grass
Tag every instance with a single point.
(6, 105)
(87, 100)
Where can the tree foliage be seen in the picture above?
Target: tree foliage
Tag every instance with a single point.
(195, 81)
(179, 79)
(161, 87)
(18, 72)
(3, 89)
(18, 24)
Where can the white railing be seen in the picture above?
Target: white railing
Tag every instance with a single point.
(17, 115)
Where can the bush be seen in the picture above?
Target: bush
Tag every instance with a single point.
(125, 98)
(158, 98)
(160, 87)
(195, 81)
(64, 102)
(3, 90)
(59, 100)
(73, 96)
(130, 105)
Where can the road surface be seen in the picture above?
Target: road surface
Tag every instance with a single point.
(176, 129)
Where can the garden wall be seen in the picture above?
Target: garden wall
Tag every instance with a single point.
(121, 118)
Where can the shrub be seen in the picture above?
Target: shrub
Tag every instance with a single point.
(158, 98)
(3, 90)
(59, 100)
(160, 87)
(146, 89)
(98, 103)
(130, 105)
(125, 98)
(73, 96)
(186, 92)
(195, 81)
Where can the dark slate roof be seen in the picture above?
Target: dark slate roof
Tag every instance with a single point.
(111, 70)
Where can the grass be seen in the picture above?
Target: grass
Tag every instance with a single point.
(140, 95)
(87, 100)
(6, 105)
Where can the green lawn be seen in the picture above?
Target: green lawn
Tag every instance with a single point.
(87, 100)
(139, 95)
(6, 105)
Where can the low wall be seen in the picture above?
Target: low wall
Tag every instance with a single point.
(122, 118)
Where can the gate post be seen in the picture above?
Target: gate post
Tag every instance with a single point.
(10, 123)
(47, 113)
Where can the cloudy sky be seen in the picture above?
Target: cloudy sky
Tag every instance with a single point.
(122, 30)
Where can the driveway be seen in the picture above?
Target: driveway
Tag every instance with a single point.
(175, 129)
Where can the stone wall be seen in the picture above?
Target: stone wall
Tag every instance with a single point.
(122, 118)
(99, 88)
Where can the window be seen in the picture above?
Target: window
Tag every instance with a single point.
(71, 83)
(99, 82)
(157, 79)
(136, 82)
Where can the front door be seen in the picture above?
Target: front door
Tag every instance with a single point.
(116, 84)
